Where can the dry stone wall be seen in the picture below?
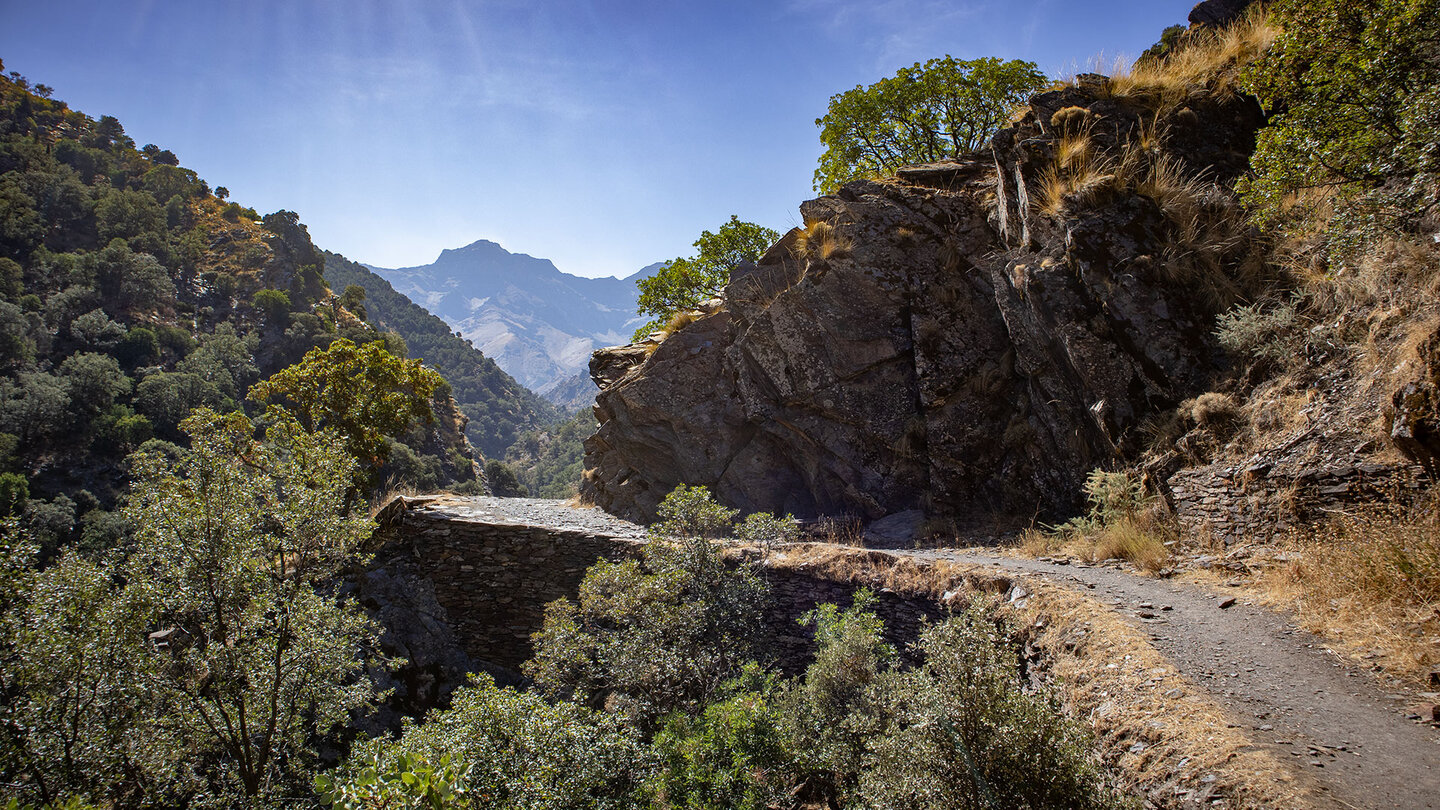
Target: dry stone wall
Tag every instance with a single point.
(493, 574)
(1253, 502)
(495, 579)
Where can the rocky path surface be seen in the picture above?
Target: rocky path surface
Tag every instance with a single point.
(1295, 695)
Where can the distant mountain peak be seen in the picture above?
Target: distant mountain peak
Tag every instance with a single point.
(537, 322)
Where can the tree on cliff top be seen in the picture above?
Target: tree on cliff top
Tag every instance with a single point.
(683, 283)
(924, 113)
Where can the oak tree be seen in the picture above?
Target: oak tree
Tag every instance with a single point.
(924, 113)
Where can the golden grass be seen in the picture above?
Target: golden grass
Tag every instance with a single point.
(678, 321)
(843, 531)
(1206, 225)
(1079, 177)
(1210, 59)
(821, 241)
(1138, 538)
(1371, 582)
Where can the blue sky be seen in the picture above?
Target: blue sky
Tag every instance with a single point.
(602, 135)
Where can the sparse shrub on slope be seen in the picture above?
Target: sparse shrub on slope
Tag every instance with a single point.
(961, 731)
(1354, 94)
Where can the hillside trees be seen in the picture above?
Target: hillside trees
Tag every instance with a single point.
(208, 661)
(924, 113)
(129, 296)
(683, 283)
(499, 409)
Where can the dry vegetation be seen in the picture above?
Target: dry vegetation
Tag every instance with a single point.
(1207, 59)
(1139, 539)
(1371, 582)
(821, 242)
(1123, 524)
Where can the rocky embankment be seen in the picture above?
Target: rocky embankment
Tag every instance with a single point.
(966, 339)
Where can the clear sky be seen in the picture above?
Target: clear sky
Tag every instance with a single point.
(602, 135)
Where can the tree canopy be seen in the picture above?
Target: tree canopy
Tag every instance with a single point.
(364, 393)
(1354, 95)
(684, 282)
(924, 113)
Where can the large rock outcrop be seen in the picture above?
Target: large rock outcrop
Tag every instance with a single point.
(952, 340)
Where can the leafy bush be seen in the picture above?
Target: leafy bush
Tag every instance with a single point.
(683, 283)
(503, 481)
(651, 636)
(497, 748)
(831, 713)
(689, 512)
(274, 303)
(1354, 91)
(733, 755)
(961, 731)
(765, 530)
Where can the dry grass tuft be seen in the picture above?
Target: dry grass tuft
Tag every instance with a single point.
(1139, 539)
(1080, 176)
(842, 531)
(679, 321)
(820, 241)
(1371, 581)
(1209, 59)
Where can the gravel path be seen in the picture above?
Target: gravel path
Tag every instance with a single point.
(1295, 695)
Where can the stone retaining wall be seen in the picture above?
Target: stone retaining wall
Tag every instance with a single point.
(494, 581)
(1251, 502)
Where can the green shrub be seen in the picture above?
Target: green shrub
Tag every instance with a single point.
(691, 512)
(765, 530)
(505, 748)
(503, 481)
(1354, 90)
(274, 303)
(830, 714)
(961, 731)
(651, 636)
(1262, 332)
(14, 494)
(732, 756)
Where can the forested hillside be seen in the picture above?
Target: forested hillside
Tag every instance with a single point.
(132, 293)
(499, 408)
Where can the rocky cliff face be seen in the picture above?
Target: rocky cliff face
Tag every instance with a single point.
(966, 339)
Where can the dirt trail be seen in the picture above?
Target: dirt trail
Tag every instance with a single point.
(1324, 714)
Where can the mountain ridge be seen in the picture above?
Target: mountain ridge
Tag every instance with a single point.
(539, 323)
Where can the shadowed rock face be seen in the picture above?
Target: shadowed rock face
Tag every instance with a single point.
(947, 348)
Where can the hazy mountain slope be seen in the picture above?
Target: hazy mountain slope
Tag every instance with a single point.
(500, 409)
(536, 322)
(131, 293)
